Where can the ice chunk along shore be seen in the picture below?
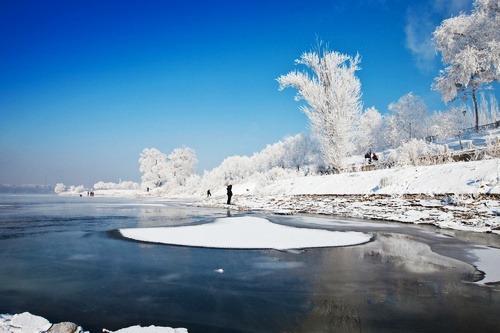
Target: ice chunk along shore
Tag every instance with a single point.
(246, 232)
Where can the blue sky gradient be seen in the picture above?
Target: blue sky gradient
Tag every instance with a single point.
(86, 85)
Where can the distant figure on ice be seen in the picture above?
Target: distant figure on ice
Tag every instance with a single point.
(209, 194)
(147, 189)
(229, 193)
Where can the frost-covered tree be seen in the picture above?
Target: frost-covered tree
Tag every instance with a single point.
(488, 109)
(293, 152)
(122, 185)
(418, 152)
(154, 168)
(407, 120)
(369, 130)
(181, 163)
(59, 188)
(470, 49)
(448, 123)
(333, 96)
(301, 151)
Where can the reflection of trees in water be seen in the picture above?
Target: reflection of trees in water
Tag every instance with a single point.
(172, 216)
(413, 256)
(362, 287)
(332, 315)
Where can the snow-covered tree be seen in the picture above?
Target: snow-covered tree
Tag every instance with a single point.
(333, 95)
(418, 152)
(59, 188)
(449, 123)
(301, 151)
(181, 163)
(407, 120)
(470, 49)
(293, 152)
(369, 130)
(154, 168)
(122, 185)
(488, 109)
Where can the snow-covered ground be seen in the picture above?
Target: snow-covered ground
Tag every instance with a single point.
(28, 323)
(246, 232)
(458, 195)
(457, 178)
(461, 195)
(472, 140)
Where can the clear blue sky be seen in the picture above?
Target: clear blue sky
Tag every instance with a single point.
(86, 85)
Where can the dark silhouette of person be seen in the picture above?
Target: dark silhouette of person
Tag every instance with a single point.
(371, 156)
(229, 193)
(147, 189)
(209, 194)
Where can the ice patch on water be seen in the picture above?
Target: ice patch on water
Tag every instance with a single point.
(28, 323)
(246, 232)
(488, 261)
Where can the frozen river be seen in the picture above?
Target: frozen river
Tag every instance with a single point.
(63, 259)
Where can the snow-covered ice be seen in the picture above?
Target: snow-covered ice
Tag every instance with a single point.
(149, 329)
(246, 232)
(23, 323)
(488, 261)
(28, 323)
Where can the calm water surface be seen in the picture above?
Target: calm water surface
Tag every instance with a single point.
(62, 259)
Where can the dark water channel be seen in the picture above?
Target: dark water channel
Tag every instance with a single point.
(59, 258)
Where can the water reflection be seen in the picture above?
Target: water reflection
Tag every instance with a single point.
(63, 265)
(414, 257)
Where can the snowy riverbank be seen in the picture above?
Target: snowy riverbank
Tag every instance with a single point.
(463, 196)
(478, 213)
(460, 195)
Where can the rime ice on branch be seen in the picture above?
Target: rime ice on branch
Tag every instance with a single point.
(333, 95)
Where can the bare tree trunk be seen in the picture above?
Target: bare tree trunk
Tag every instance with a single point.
(474, 100)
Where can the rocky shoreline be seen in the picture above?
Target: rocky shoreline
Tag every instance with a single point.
(471, 212)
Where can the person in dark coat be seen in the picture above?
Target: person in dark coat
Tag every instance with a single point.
(229, 193)
(209, 194)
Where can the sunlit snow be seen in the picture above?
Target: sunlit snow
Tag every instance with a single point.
(246, 232)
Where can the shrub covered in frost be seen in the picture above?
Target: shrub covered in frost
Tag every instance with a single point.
(123, 185)
(418, 152)
(59, 188)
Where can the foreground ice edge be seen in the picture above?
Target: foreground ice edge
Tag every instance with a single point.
(246, 232)
(28, 323)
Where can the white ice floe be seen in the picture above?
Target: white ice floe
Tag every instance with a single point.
(149, 329)
(488, 261)
(23, 323)
(28, 323)
(246, 232)
(219, 270)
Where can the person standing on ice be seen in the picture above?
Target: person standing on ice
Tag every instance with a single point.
(229, 193)
(209, 194)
